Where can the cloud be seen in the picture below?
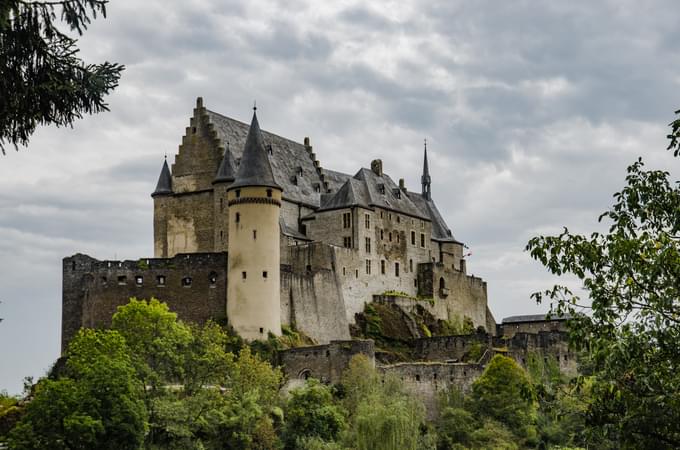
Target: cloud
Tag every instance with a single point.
(532, 110)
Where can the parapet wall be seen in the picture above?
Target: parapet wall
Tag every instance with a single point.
(449, 348)
(193, 285)
(324, 362)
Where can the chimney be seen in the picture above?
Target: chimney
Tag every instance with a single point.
(376, 167)
(306, 141)
(402, 186)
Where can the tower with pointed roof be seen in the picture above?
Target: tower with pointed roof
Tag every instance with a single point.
(225, 176)
(254, 203)
(161, 199)
(425, 179)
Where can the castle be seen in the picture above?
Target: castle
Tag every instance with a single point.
(251, 229)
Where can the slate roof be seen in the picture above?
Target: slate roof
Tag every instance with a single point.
(440, 231)
(290, 231)
(369, 189)
(226, 171)
(255, 169)
(287, 158)
(164, 185)
(535, 318)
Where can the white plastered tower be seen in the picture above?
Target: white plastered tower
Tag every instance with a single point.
(254, 199)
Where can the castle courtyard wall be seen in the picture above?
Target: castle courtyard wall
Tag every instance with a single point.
(92, 290)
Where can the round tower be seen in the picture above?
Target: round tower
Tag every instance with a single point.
(254, 200)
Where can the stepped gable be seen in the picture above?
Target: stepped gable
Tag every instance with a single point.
(287, 159)
(164, 185)
(440, 231)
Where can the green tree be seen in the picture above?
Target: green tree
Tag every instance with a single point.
(42, 80)
(97, 405)
(311, 412)
(630, 334)
(504, 393)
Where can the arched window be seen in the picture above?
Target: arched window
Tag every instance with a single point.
(442, 284)
(305, 374)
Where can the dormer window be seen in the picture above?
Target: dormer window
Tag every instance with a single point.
(381, 188)
(299, 171)
(270, 150)
(317, 187)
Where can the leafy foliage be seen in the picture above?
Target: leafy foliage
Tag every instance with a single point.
(311, 412)
(631, 274)
(42, 80)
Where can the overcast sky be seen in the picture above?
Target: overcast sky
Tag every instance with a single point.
(532, 110)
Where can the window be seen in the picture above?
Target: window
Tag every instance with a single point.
(415, 283)
(244, 275)
(389, 216)
(254, 234)
(413, 238)
(264, 274)
(212, 279)
(347, 242)
(442, 284)
(186, 282)
(398, 236)
(346, 220)
(368, 267)
(368, 245)
(261, 330)
(221, 204)
(422, 240)
(238, 217)
(139, 280)
(389, 236)
(422, 224)
(160, 280)
(396, 269)
(104, 281)
(356, 273)
(381, 234)
(122, 279)
(269, 193)
(344, 272)
(221, 235)
(381, 214)
(367, 219)
(398, 219)
(410, 265)
(382, 266)
(238, 193)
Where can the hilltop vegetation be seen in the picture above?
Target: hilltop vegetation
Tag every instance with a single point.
(154, 382)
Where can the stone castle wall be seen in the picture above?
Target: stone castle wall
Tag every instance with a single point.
(193, 286)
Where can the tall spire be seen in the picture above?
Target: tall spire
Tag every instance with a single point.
(164, 185)
(226, 171)
(254, 169)
(425, 180)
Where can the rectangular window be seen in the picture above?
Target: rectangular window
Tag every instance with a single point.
(367, 219)
(254, 234)
(346, 220)
(368, 245)
(396, 269)
(368, 267)
(347, 242)
(382, 237)
(382, 266)
(413, 238)
(264, 274)
(243, 275)
(422, 240)
(381, 214)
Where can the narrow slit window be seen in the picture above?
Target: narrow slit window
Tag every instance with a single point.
(254, 234)
(396, 269)
(264, 274)
(160, 280)
(244, 275)
(238, 217)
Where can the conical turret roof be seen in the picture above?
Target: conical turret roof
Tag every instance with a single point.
(254, 169)
(226, 171)
(164, 185)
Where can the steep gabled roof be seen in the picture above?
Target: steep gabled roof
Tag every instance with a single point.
(384, 193)
(255, 169)
(352, 193)
(440, 231)
(226, 172)
(287, 159)
(164, 185)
